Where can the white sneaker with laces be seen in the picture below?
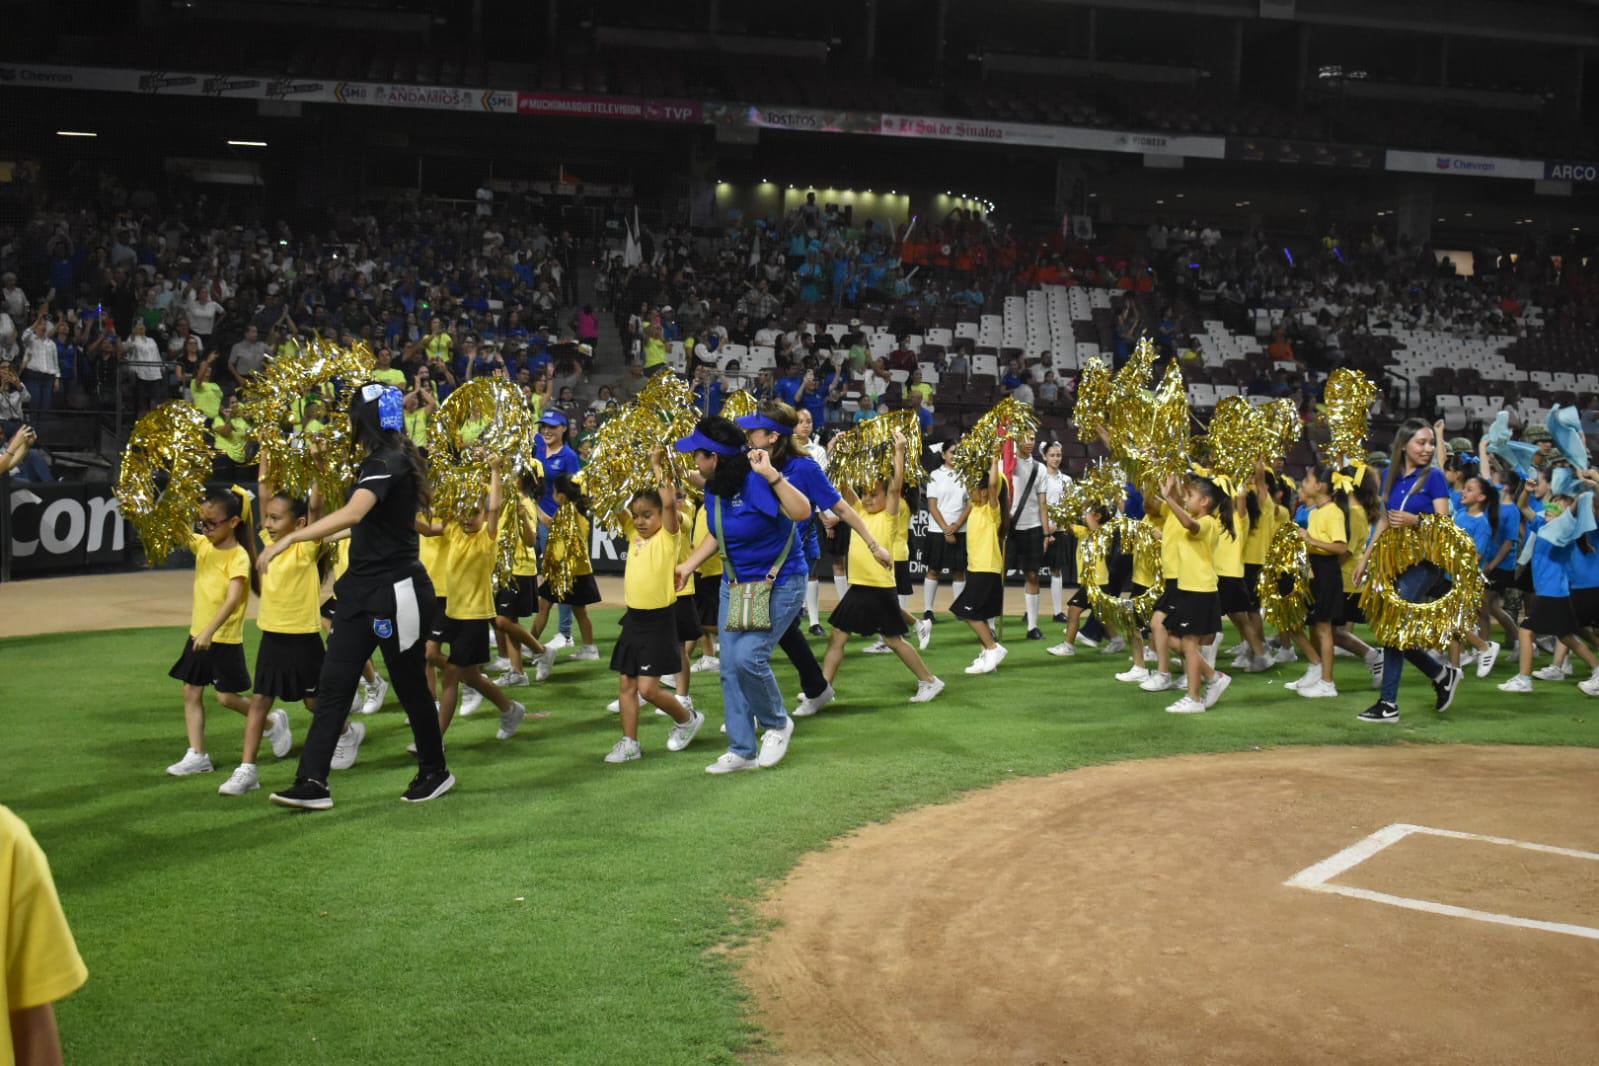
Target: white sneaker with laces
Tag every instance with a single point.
(1136, 675)
(626, 750)
(1212, 692)
(1374, 665)
(376, 693)
(1486, 660)
(774, 745)
(729, 763)
(500, 665)
(349, 745)
(1548, 673)
(926, 690)
(586, 654)
(805, 707)
(682, 735)
(668, 680)
(1256, 664)
(557, 642)
(1286, 655)
(360, 697)
(1087, 642)
(998, 651)
(510, 721)
(1156, 682)
(244, 779)
(706, 663)
(1318, 690)
(1186, 705)
(511, 679)
(879, 648)
(1468, 657)
(470, 699)
(1064, 648)
(1150, 658)
(615, 706)
(1590, 687)
(1311, 676)
(279, 735)
(924, 633)
(1115, 644)
(193, 762)
(1519, 683)
(543, 663)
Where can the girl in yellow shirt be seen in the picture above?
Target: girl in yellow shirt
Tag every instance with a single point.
(1093, 518)
(1202, 517)
(224, 571)
(707, 594)
(1326, 538)
(648, 646)
(870, 604)
(1254, 509)
(585, 591)
(983, 597)
(1171, 536)
(519, 599)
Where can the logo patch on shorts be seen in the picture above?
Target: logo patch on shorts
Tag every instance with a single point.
(383, 627)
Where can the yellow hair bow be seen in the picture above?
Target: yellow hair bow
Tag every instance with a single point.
(1344, 483)
(246, 498)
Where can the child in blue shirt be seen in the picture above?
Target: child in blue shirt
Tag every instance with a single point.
(1552, 537)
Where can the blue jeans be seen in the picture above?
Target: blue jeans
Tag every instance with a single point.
(1412, 585)
(749, 688)
(563, 613)
(41, 391)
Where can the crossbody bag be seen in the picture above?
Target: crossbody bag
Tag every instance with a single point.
(749, 603)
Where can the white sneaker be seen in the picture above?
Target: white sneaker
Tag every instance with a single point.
(586, 654)
(774, 745)
(706, 663)
(668, 680)
(1237, 650)
(376, 693)
(1186, 705)
(500, 665)
(360, 697)
(1087, 642)
(510, 721)
(1136, 675)
(1115, 644)
(626, 750)
(279, 735)
(244, 779)
(1374, 665)
(924, 633)
(543, 663)
(1150, 658)
(557, 642)
(1064, 648)
(805, 707)
(1318, 690)
(1468, 657)
(470, 699)
(615, 706)
(1212, 692)
(926, 690)
(1519, 683)
(730, 763)
(998, 651)
(682, 735)
(879, 648)
(1285, 655)
(528, 653)
(686, 701)
(1156, 682)
(192, 763)
(1548, 673)
(1590, 687)
(1255, 664)
(1311, 676)
(511, 679)
(1486, 660)
(1342, 653)
(349, 745)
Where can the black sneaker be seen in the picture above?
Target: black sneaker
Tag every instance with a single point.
(1035, 634)
(306, 795)
(927, 616)
(429, 786)
(1061, 618)
(817, 631)
(1385, 713)
(1446, 687)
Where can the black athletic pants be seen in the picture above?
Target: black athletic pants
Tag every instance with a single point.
(812, 681)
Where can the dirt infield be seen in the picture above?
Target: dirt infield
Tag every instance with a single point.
(1137, 913)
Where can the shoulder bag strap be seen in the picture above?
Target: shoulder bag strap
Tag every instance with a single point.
(721, 541)
(782, 555)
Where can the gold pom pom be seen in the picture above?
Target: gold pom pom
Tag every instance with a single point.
(971, 459)
(864, 456)
(1346, 403)
(619, 462)
(481, 420)
(169, 439)
(562, 551)
(1284, 582)
(1092, 411)
(1398, 623)
(1138, 539)
(739, 404)
(1242, 435)
(1102, 485)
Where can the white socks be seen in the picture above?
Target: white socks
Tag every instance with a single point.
(813, 602)
(958, 587)
(929, 591)
(1032, 609)
(904, 603)
(1057, 586)
(840, 585)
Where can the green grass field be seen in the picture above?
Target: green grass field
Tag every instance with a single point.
(553, 909)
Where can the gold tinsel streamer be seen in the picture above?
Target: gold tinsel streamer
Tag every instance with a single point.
(1162, 434)
(971, 459)
(619, 463)
(864, 456)
(1346, 405)
(1242, 435)
(1398, 623)
(484, 418)
(1092, 411)
(562, 550)
(271, 398)
(739, 404)
(172, 438)
(1139, 539)
(1285, 557)
(1102, 485)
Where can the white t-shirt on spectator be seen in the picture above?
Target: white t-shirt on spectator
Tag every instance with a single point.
(14, 302)
(202, 312)
(12, 404)
(145, 359)
(40, 352)
(944, 488)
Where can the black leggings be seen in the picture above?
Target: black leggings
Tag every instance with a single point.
(812, 681)
(350, 645)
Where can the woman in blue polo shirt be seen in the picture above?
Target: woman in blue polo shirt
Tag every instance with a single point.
(559, 461)
(753, 514)
(1414, 487)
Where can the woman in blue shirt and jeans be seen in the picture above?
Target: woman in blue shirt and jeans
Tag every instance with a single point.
(752, 513)
(1414, 487)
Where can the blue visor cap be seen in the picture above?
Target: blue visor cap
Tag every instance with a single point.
(749, 422)
(699, 442)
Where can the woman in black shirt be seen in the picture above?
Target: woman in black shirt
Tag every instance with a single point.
(385, 600)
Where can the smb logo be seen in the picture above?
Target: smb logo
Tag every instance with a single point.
(349, 92)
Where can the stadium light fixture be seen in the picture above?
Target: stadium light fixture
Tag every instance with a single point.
(1159, 202)
(247, 144)
(76, 133)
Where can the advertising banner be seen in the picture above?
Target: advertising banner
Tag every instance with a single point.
(984, 131)
(1476, 166)
(798, 119)
(1572, 171)
(1302, 153)
(635, 108)
(64, 526)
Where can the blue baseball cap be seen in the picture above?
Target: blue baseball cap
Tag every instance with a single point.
(699, 442)
(749, 422)
(553, 418)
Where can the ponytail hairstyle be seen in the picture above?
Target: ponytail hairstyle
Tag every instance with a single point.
(235, 503)
(1221, 504)
(1252, 506)
(565, 486)
(782, 449)
(727, 480)
(378, 425)
(1325, 472)
(1365, 493)
(1490, 498)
